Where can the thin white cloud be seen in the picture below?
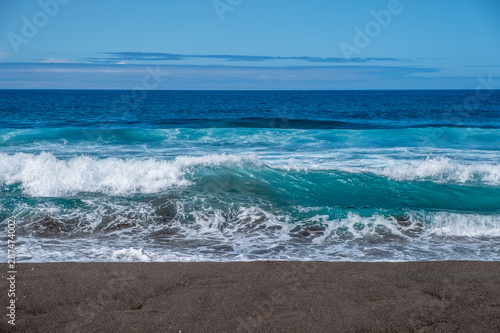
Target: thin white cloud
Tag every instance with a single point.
(77, 70)
(57, 61)
(88, 76)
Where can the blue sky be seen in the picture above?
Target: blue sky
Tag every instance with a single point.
(249, 44)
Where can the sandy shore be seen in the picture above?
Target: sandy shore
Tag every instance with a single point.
(256, 297)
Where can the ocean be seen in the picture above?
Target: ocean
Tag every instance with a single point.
(250, 175)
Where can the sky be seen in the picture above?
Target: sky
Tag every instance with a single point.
(249, 44)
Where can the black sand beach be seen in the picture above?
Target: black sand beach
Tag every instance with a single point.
(256, 297)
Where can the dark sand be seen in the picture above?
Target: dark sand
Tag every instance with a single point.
(256, 297)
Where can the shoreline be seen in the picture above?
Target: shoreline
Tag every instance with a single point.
(258, 296)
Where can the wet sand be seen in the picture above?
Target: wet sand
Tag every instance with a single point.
(255, 297)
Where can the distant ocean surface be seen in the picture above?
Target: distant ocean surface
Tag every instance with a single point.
(251, 175)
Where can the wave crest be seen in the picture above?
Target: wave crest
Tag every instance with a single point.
(443, 169)
(44, 175)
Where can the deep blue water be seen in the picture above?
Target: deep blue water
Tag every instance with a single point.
(251, 175)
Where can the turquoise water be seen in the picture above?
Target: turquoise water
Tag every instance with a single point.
(226, 176)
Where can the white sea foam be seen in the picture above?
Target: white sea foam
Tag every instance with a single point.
(130, 254)
(422, 225)
(44, 175)
(252, 233)
(443, 169)
(444, 224)
(436, 169)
